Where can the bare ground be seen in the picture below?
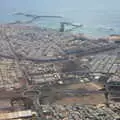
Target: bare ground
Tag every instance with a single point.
(87, 99)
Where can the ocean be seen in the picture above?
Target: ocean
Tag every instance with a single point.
(99, 17)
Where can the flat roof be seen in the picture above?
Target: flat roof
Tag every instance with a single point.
(14, 115)
(114, 79)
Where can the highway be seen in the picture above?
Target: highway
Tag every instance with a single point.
(68, 52)
(93, 50)
(33, 59)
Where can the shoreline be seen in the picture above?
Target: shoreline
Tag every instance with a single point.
(75, 34)
(87, 35)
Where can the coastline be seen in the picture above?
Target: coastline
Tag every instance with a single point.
(78, 35)
(89, 30)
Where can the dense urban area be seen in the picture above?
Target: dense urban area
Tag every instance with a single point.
(47, 74)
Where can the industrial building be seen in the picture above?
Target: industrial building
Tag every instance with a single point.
(21, 115)
(112, 87)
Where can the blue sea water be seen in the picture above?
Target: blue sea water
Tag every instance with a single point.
(99, 17)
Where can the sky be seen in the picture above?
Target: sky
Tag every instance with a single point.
(85, 11)
(57, 5)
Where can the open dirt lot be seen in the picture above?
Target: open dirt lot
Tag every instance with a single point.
(84, 99)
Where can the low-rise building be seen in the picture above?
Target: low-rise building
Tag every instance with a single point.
(113, 87)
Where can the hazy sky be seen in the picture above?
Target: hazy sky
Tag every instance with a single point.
(79, 10)
(57, 5)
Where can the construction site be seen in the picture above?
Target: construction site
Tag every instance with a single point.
(48, 74)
